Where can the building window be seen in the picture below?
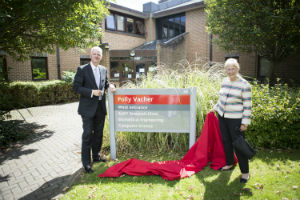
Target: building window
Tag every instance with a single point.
(39, 68)
(84, 61)
(114, 71)
(3, 69)
(124, 69)
(129, 25)
(124, 23)
(264, 68)
(139, 27)
(171, 26)
(110, 22)
(120, 23)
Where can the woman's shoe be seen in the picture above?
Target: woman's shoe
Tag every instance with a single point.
(227, 167)
(245, 180)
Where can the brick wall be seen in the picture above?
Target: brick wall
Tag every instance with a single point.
(70, 59)
(150, 29)
(172, 54)
(22, 71)
(197, 42)
(248, 64)
(18, 70)
(52, 66)
(248, 61)
(122, 40)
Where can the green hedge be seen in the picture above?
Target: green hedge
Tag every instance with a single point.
(28, 94)
(275, 121)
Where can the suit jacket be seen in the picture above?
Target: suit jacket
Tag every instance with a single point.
(84, 83)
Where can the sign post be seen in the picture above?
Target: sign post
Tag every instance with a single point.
(152, 110)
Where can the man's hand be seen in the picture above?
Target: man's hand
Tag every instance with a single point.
(112, 88)
(97, 93)
(244, 127)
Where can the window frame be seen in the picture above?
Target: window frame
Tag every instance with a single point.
(260, 76)
(114, 21)
(135, 19)
(46, 63)
(84, 59)
(169, 23)
(123, 76)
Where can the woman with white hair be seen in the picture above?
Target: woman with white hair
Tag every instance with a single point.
(234, 112)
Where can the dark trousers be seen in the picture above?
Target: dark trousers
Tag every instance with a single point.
(230, 130)
(92, 135)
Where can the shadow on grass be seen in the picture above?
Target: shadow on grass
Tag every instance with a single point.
(26, 133)
(271, 157)
(221, 187)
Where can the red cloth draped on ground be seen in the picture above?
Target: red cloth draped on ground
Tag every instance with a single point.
(208, 148)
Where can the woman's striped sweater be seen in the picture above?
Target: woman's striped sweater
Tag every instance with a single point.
(235, 100)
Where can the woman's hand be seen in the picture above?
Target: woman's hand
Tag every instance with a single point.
(212, 110)
(243, 127)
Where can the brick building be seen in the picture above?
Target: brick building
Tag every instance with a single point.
(134, 42)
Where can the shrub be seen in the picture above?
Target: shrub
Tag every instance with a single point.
(276, 117)
(68, 76)
(28, 94)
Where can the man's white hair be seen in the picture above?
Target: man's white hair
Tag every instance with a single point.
(96, 48)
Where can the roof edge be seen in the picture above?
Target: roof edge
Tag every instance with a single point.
(176, 10)
(125, 10)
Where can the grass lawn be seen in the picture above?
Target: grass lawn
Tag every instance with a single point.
(274, 175)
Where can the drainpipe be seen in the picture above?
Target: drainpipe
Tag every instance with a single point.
(58, 63)
(210, 49)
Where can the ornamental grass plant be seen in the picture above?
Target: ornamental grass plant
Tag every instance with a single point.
(207, 81)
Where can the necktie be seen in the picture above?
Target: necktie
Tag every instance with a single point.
(97, 76)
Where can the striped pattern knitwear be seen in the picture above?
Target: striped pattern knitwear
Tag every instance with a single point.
(235, 100)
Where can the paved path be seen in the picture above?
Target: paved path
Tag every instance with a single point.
(43, 165)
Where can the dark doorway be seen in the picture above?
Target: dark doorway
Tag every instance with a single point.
(124, 68)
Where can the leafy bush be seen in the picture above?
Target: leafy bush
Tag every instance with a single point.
(276, 117)
(68, 76)
(28, 94)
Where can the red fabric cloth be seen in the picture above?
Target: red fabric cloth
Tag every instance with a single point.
(208, 148)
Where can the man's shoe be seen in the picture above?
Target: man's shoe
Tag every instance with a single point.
(88, 169)
(98, 159)
(245, 180)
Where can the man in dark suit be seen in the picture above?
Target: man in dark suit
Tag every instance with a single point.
(91, 82)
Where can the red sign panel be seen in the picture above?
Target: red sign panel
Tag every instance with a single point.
(152, 99)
